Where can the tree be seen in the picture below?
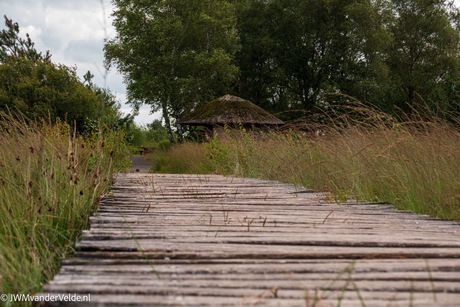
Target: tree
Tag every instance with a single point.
(13, 46)
(32, 84)
(293, 52)
(425, 52)
(45, 90)
(260, 79)
(173, 53)
(155, 132)
(110, 113)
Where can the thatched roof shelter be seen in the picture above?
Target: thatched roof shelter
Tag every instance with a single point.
(231, 111)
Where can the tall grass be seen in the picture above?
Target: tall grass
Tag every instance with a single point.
(50, 181)
(360, 154)
(186, 158)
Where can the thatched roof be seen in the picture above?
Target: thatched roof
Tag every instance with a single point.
(230, 110)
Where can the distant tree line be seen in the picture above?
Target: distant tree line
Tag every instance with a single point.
(288, 56)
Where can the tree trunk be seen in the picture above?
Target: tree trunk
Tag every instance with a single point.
(167, 122)
(180, 133)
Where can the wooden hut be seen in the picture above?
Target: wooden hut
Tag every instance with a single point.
(231, 111)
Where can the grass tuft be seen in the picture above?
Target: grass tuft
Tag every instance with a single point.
(50, 183)
(186, 158)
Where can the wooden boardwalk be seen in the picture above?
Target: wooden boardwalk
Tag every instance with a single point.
(189, 240)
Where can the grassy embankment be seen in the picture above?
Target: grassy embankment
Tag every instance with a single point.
(362, 154)
(50, 182)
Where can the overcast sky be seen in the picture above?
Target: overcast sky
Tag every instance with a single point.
(73, 31)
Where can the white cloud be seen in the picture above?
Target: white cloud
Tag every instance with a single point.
(145, 116)
(73, 31)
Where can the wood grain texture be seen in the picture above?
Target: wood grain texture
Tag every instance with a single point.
(194, 240)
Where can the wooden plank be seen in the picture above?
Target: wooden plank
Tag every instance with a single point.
(190, 240)
(264, 298)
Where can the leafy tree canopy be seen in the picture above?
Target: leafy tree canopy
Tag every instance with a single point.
(288, 56)
(32, 84)
(174, 53)
(424, 54)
